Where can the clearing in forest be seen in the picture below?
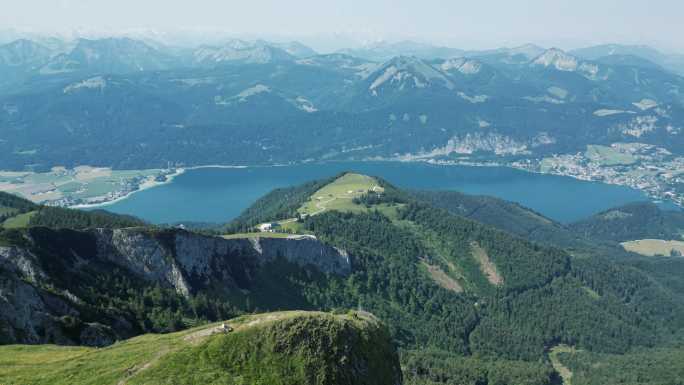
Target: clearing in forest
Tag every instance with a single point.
(18, 221)
(558, 366)
(442, 279)
(486, 265)
(655, 247)
(339, 195)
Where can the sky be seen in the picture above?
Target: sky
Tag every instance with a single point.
(473, 24)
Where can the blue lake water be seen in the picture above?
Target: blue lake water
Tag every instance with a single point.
(220, 194)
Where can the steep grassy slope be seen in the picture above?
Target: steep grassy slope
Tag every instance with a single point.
(18, 221)
(12, 206)
(340, 194)
(272, 348)
(282, 203)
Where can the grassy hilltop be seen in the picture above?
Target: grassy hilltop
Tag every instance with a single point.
(273, 348)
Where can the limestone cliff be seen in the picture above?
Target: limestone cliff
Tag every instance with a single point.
(180, 258)
(44, 276)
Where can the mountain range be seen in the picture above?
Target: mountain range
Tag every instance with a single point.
(124, 103)
(357, 281)
(606, 52)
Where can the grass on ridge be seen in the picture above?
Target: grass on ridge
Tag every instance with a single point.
(271, 348)
(339, 194)
(19, 221)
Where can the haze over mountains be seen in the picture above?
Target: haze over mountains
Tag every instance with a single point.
(342, 193)
(160, 104)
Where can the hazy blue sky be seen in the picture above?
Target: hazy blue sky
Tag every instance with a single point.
(466, 24)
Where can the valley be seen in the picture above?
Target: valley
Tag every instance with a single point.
(205, 207)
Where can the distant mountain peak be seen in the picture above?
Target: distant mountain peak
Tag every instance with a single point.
(407, 72)
(670, 62)
(114, 42)
(618, 49)
(558, 59)
(384, 50)
(462, 65)
(23, 52)
(108, 55)
(529, 50)
(296, 49)
(258, 52)
(359, 67)
(21, 43)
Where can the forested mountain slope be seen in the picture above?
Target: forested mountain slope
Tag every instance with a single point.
(507, 216)
(454, 292)
(633, 221)
(488, 305)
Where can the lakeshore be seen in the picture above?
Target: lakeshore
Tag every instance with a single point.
(216, 195)
(111, 189)
(147, 184)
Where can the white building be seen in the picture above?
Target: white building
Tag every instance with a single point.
(268, 227)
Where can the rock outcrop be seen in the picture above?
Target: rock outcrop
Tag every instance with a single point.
(40, 274)
(184, 260)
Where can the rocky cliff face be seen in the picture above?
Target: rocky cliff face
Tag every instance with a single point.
(30, 313)
(189, 261)
(39, 276)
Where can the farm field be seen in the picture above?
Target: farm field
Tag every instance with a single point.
(655, 247)
(81, 185)
(608, 156)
